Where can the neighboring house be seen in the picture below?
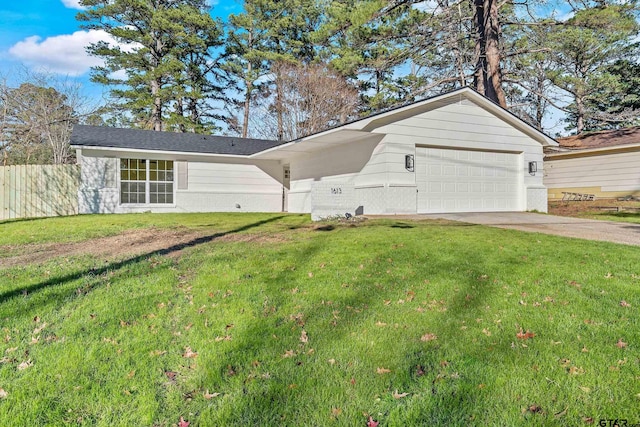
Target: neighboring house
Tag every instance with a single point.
(456, 152)
(605, 164)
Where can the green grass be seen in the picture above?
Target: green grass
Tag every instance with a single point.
(632, 217)
(107, 341)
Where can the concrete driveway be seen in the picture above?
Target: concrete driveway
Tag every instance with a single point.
(608, 231)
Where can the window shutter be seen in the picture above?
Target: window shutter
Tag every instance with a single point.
(110, 172)
(183, 175)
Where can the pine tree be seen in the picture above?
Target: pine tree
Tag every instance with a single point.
(162, 62)
(582, 50)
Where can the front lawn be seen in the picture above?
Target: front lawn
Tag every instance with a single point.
(274, 320)
(602, 209)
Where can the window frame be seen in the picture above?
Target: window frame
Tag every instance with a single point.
(147, 183)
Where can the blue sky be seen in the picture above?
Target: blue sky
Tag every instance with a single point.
(43, 35)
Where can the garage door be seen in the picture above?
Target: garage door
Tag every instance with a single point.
(466, 181)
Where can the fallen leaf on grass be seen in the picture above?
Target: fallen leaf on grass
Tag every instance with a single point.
(372, 422)
(525, 335)
(39, 329)
(623, 303)
(585, 389)
(210, 396)
(561, 413)
(131, 374)
(535, 409)
(486, 332)
(576, 370)
(183, 423)
(381, 371)
(24, 365)
(10, 350)
(225, 338)
(332, 361)
(397, 395)
(587, 420)
(3, 394)
(289, 353)
(304, 338)
(157, 353)
(189, 354)
(621, 344)
(428, 337)
(171, 375)
(381, 324)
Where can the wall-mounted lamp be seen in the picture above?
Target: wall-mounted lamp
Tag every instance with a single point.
(409, 162)
(533, 168)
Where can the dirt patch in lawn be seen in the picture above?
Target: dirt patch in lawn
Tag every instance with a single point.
(582, 209)
(130, 243)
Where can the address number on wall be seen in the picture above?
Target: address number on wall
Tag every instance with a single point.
(336, 190)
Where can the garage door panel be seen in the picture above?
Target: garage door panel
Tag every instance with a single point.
(449, 170)
(467, 181)
(449, 187)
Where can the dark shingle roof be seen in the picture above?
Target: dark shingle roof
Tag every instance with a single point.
(98, 136)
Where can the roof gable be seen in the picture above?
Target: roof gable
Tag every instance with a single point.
(462, 95)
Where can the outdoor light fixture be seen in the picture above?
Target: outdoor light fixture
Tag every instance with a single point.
(409, 162)
(533, 168)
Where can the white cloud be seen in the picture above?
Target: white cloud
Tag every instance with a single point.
(72, 4)
(64, 54)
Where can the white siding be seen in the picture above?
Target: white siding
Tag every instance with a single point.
(225, 186)
(360, 164)
(377, 169)
(466, 126)
(615, 173)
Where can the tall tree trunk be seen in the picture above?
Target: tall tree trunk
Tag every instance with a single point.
(488, 73)
(156, 84)
(180, 112)
(247, 107)
(580, 113)
(156, 112)
(279, 107)
(479, 75)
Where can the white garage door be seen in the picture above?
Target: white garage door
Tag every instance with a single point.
(466, 181)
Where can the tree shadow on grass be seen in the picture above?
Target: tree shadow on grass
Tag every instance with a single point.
(128, 262)
(269, 402)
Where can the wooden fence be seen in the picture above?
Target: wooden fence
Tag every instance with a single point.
(31, 191)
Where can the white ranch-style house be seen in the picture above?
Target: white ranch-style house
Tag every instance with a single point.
(456, 152)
